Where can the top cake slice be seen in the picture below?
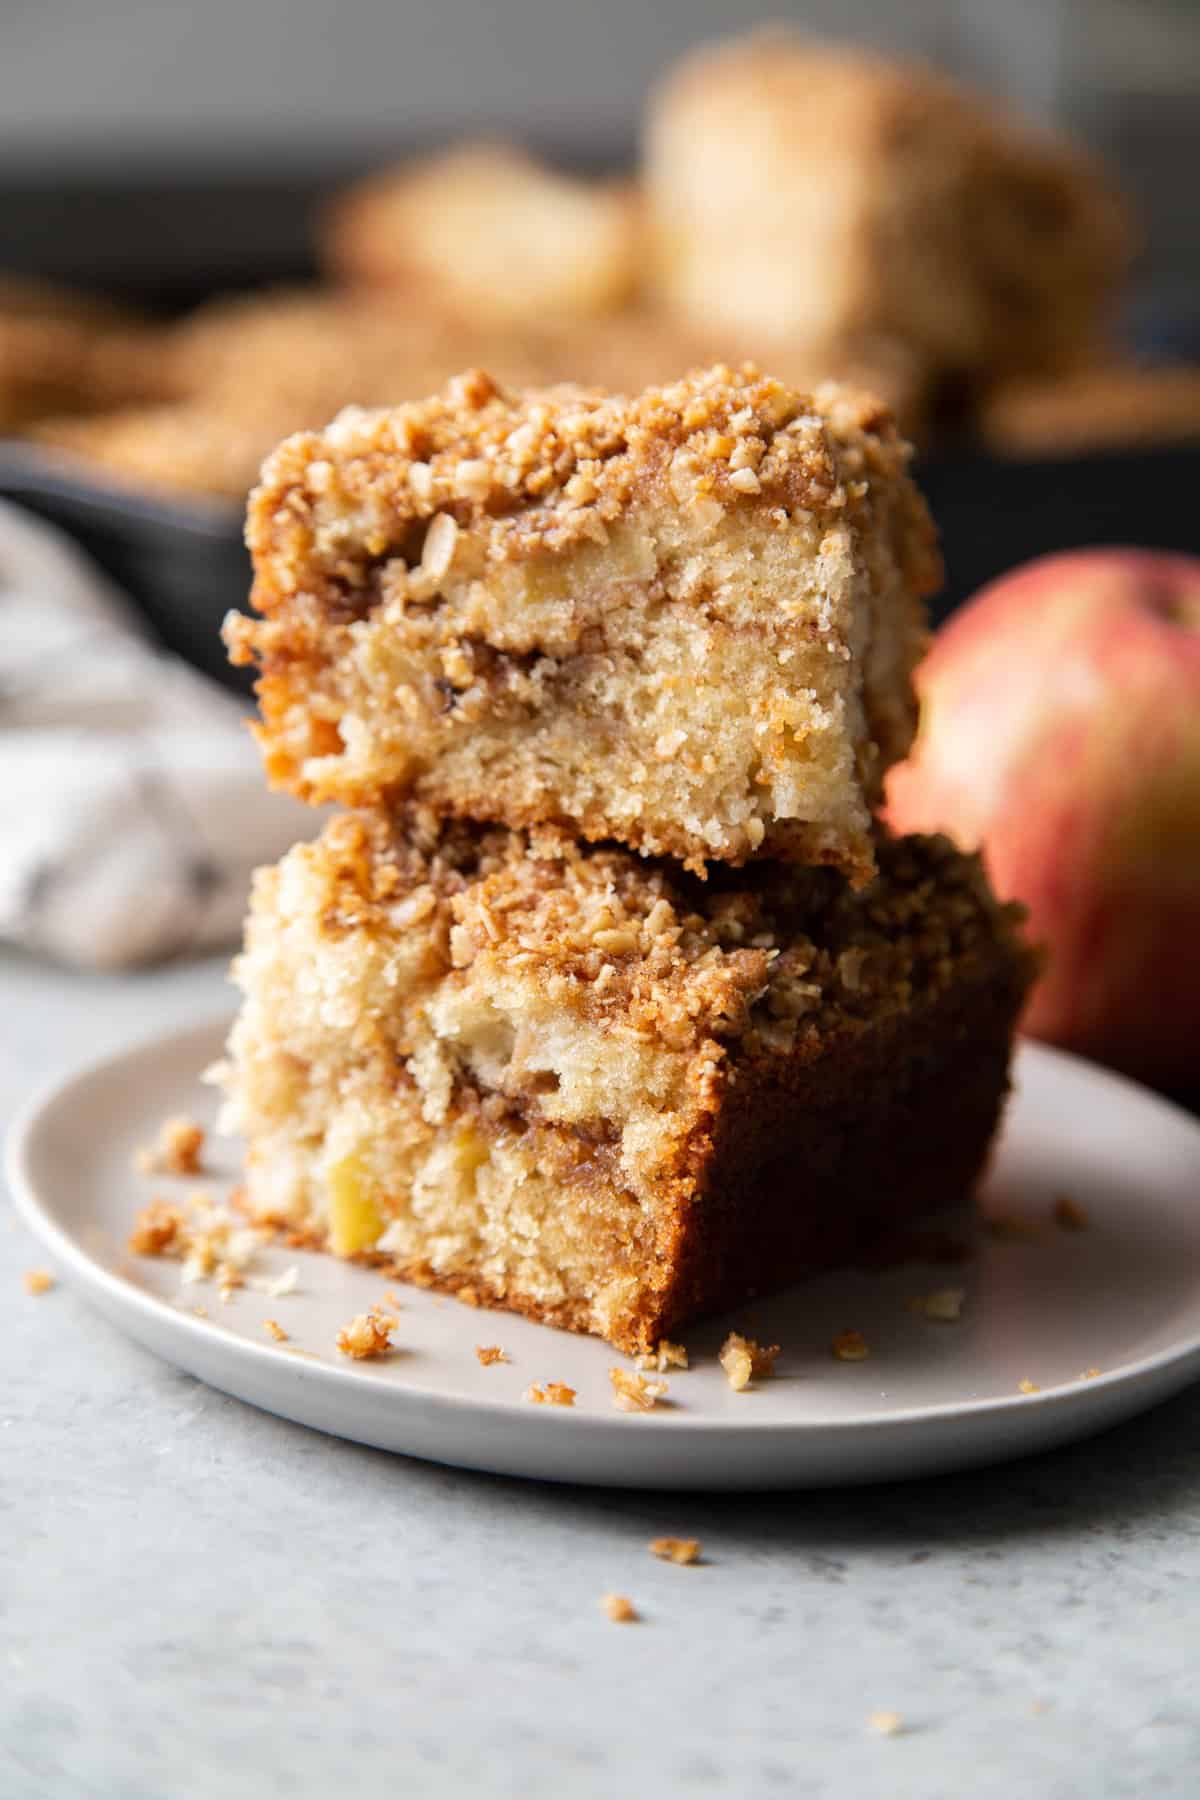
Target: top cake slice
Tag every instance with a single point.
(685, 621)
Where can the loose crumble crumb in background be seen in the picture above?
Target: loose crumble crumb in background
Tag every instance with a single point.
(37, 1281)
(489, 1354)
(367, 1335)
(1028, 1387)
(886, 1724)
(666, 1356)
(619, 1609)
(550, 1393)
(944, 1304)
(745, 1360)
(276, 1330)
(1070, 1214)
(176, 1151)
(850, 1346)
(633, 1393)
(1013, 1228)
(1091, 1374)
(676, 1550)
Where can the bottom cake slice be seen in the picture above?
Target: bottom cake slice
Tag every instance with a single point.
(599, 1091)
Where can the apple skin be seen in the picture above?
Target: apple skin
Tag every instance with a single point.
(1060, 732)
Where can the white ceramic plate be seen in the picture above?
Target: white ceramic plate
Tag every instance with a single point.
(1122, 1296)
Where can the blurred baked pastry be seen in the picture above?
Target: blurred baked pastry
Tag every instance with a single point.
(66, 351)
(490, 232)
(176, 448)
(1121, 406)
(685, 621)
(821, 195)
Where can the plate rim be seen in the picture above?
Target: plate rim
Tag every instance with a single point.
(117, 1294)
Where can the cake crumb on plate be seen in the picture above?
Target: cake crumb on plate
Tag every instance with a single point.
(620, 1609)
(276, 1330)
(550, 1393)
(633, 1393)
(176, 1151)
(489, 1354)
(367, 1335)
(1028, 1387)
(850, 1346)
(745, 1360)
(37, 1281)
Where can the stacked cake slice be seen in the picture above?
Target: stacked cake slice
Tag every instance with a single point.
(610, 1002)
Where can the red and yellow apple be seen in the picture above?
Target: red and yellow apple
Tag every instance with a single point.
(1060, 732)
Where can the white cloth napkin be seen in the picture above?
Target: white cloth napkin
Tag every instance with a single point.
(133, 806)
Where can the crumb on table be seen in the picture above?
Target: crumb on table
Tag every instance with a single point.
(550, 1393)
(886, 1724)
(620, 1609)
(633, 1393)
(368, 1334)
(1092, 1374)
(850, 1346)
(276, 1330)
(489, 1354)
(37, 1281)
(1028, 1387)
(675, 1549)
(944, 1305)
(664, 1356)
(176, 1151)
(745, 1360)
